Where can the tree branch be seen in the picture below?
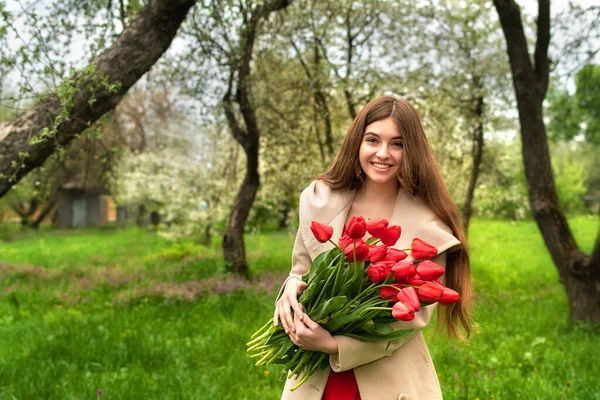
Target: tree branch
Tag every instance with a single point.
(122, 64)
(542, 65)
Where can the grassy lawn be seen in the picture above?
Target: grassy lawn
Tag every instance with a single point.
(124, 314)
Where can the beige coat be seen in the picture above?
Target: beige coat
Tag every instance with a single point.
(403, 371)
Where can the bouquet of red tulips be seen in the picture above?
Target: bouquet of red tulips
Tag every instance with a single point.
(357, 289)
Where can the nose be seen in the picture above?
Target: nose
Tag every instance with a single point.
(382, 153)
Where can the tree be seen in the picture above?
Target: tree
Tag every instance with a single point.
(580, 273)
(225, 34)
(459, 73)
(27, 141)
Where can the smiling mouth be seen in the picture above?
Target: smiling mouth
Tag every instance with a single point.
(381, 166)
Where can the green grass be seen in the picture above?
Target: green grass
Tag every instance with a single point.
(63, 334)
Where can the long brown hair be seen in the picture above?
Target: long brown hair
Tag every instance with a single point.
(419, 176)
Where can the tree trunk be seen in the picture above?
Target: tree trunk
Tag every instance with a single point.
(233, 243)
(207, 238)
(234, 249)
(141, 217)
(284, 216)
(477, 152)
(579, 272)
(130, 57)
(25, 211)
(45, 211)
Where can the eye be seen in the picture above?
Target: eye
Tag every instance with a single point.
(370, 140)
(398, 144)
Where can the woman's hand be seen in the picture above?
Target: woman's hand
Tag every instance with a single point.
(311, 336)
(288, 306)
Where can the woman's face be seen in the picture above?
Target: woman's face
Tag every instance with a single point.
(381, 151)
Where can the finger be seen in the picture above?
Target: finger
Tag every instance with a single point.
(297, 310)
(275, 317)
(312, 325)
(283, 318)
(301, 286)
(294, 340)
(287, 316)
(300, 326)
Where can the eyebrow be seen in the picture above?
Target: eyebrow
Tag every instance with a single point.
(374, 134)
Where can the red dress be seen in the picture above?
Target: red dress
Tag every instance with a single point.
(341, 386)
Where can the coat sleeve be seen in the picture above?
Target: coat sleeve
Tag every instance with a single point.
(353, 353)
(300, 262)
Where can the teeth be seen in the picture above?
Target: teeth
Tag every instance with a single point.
(381, 165)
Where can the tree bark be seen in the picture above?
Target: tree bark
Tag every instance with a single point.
(320, 105)
(477, 152)
(580, 273)
(130, 57)
(284, 215)
(43, 214)
(234, 249)
(25, 210)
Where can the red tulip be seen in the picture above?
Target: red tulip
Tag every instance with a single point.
(376, 253)
(449, 296)
(376, 273)
(430, 292)
(429, 271)
(403, 270)
(410, 296)
(375, 226)
(388, 293)
(415, 280)
(344, 241)
(356, 228)
(391, 235)
(421, 250)
(403, 311)
(362, 251)
(321, 231)
(395, 255)
(387, 266)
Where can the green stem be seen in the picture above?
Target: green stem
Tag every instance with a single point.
(392, 286)
(259, 354)
(375, 308)
(266, 357)
(354, 300)
(257, 347)
(330, 241)
(260, 331)
(261, 337)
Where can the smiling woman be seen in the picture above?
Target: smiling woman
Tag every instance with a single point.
(384, 169)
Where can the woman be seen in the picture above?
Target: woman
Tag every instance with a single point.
(384, 169)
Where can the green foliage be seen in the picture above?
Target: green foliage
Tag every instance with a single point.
(576, 116)
(587, 94)
(570, 176)
(502, 189)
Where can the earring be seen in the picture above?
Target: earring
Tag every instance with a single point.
(358, 171)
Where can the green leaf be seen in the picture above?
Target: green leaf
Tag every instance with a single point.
(384, 320)
(310, 291)
(328, 307)
(382, 328)
(367, 326)
(318, 265)
(338, 322)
